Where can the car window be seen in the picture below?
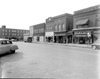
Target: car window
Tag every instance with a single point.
(4, 42)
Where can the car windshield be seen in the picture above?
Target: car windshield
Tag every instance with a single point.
(9, 42)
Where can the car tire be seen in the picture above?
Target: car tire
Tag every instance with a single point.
(94, 47)
(12, 51)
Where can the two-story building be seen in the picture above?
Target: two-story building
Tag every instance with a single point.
(49, 30)
(57, 28)
(86, 25)
(39, 32)
(62, 25)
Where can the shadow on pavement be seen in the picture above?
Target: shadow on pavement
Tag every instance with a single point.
(9, 58)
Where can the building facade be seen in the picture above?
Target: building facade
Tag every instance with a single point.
(12, 33)
(62, 25)
(39, 32)
(86, 25)
(49, 30)
(57, 28)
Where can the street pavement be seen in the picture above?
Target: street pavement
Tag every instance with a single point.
(34, 60)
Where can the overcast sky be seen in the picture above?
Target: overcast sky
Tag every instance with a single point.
(20, 14)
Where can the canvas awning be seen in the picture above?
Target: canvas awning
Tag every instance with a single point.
(62, 34)
(83, 35)
(81, 22)
(70, 33)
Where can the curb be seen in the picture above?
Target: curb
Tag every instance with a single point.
(71, 45)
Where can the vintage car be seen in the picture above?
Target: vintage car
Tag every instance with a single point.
(6, 46)
(96, 44)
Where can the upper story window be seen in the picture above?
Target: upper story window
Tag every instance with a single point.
(55, 27)
(5, 33)
(2, 30)
(51, 28)
(20, 31)
(2, 33)
(59, 27)
(36, 31)
(13, 30)
(5, 30)
(63, 26)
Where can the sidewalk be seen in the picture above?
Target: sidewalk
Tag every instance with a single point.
(61, 44)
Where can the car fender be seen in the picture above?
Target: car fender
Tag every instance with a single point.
(13, 47)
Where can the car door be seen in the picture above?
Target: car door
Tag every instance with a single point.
(9, 43)
(3, 47)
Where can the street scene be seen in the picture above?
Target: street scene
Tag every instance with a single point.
(50, 39)
(36, 60)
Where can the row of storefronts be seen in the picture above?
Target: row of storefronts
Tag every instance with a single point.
(83, 27)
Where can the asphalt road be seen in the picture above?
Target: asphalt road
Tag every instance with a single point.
(33, 60)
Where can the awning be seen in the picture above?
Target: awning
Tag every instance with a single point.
(80, 35)
(60, 34)
(81, 22)
(70, 33)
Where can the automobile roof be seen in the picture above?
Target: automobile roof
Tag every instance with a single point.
(1, 39)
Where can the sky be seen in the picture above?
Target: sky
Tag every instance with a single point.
(21, 14)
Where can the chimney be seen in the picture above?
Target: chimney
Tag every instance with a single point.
(3, 26)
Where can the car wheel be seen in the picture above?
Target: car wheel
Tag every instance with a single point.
(94, 47)
(12, 51)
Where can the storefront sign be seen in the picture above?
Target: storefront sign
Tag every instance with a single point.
(82, 32)
(49, 34)
(97, 31)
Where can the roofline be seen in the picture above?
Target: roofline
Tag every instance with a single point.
(14, 29)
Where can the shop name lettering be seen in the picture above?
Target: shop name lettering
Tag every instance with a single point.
(96, 31)
(81, 32)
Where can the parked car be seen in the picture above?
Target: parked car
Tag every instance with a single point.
(96, 44)
(6, 46)
(14, 40)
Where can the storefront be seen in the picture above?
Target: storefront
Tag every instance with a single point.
(86, 36)
(96, 34)
(49, 36)
(60, 37)
(83, 37)
(69, 36)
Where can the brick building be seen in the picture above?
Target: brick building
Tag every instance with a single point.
(39, 32)
(57, 28)
(12, 33)
(49, 30)
(86, 25)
